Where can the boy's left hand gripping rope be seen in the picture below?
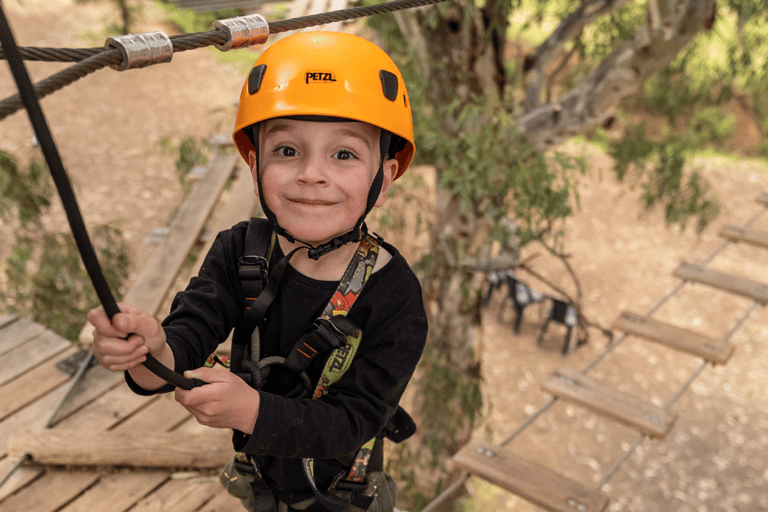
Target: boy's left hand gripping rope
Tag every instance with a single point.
(64, 188)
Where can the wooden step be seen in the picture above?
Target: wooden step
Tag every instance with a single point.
(529, 480)
(728, 282)
(574, 387)
(713, 350)
(750, 236)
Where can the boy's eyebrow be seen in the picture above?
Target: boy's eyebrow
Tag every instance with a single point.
(276, 128)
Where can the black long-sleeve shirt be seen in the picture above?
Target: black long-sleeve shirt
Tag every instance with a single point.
(330, 429)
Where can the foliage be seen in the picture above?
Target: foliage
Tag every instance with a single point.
(46, 280)
(659, 168)
(190, 21)
(189, 153)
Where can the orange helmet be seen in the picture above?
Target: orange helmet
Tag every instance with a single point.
(327, 74)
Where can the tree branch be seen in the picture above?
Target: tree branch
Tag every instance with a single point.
(569, 28)
(593, 102)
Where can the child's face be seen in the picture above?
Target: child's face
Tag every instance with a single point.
(315, 176)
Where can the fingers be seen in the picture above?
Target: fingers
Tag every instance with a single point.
(116, 354)
(123, 342)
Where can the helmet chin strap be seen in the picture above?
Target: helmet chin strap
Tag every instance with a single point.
(351, 236)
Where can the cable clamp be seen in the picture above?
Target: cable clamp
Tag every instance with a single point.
(242, 31)
(141, 50)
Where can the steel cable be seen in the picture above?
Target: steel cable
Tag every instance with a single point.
(92, 59)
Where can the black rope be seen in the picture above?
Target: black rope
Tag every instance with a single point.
(92, 59)
(64, 188)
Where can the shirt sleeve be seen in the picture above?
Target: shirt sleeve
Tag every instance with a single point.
(203, 315)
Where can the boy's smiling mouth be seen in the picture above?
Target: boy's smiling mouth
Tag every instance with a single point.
(313, 202)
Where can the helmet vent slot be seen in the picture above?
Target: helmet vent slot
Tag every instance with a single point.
(388, 84)
(255, 77)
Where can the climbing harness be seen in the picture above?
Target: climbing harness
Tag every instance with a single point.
(332, 332)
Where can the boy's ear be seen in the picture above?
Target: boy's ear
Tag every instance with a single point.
(254, 174)
(390, 171)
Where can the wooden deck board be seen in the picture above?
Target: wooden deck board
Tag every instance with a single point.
(711, 349)
(642, 416)
(33, 384)
(532, 481)
(18, 332)
(51, 491)
(181, 495)
(118, 492)
(28, 355)
(734, 284)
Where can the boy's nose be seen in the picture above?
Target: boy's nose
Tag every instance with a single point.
(312, 171)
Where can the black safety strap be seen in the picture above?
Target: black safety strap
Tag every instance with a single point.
(327, 334)
(67, 195)
(253, 265)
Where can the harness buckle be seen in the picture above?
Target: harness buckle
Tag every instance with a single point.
(251, 267)
(245, 464)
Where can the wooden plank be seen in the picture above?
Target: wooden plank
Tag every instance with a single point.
(20, 478)
(160, 415)
(33, 384)
(17, 333)
(532, 481)
(224, 502)
(151, 286)
(750, 236)
(240, 205)
(50, 492)
(574, 387)
(34, 415)
(7, 319)
(713, 350)
(95, 382)
(106, 411)
(24, 357)
(134, 449)
(118, 492)
(181, 495)
(728, 282)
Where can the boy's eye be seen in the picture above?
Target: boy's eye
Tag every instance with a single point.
(344, 155)
(285, 151)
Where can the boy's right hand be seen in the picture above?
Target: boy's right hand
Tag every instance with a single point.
(116, 353)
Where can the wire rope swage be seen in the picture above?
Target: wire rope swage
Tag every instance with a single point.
(242, 31)
(141, 50)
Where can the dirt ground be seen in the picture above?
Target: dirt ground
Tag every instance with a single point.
(108, 127)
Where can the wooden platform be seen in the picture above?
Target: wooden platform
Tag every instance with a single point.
(533, 482)
(32, 388)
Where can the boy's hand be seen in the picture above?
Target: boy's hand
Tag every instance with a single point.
(110, 346)
(226, 401)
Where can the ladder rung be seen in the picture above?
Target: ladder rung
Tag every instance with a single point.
(574, 387)
(730, 283)
(713, 350)
(750, 236)
(529, 480)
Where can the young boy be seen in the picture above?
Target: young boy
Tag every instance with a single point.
(324, 123)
